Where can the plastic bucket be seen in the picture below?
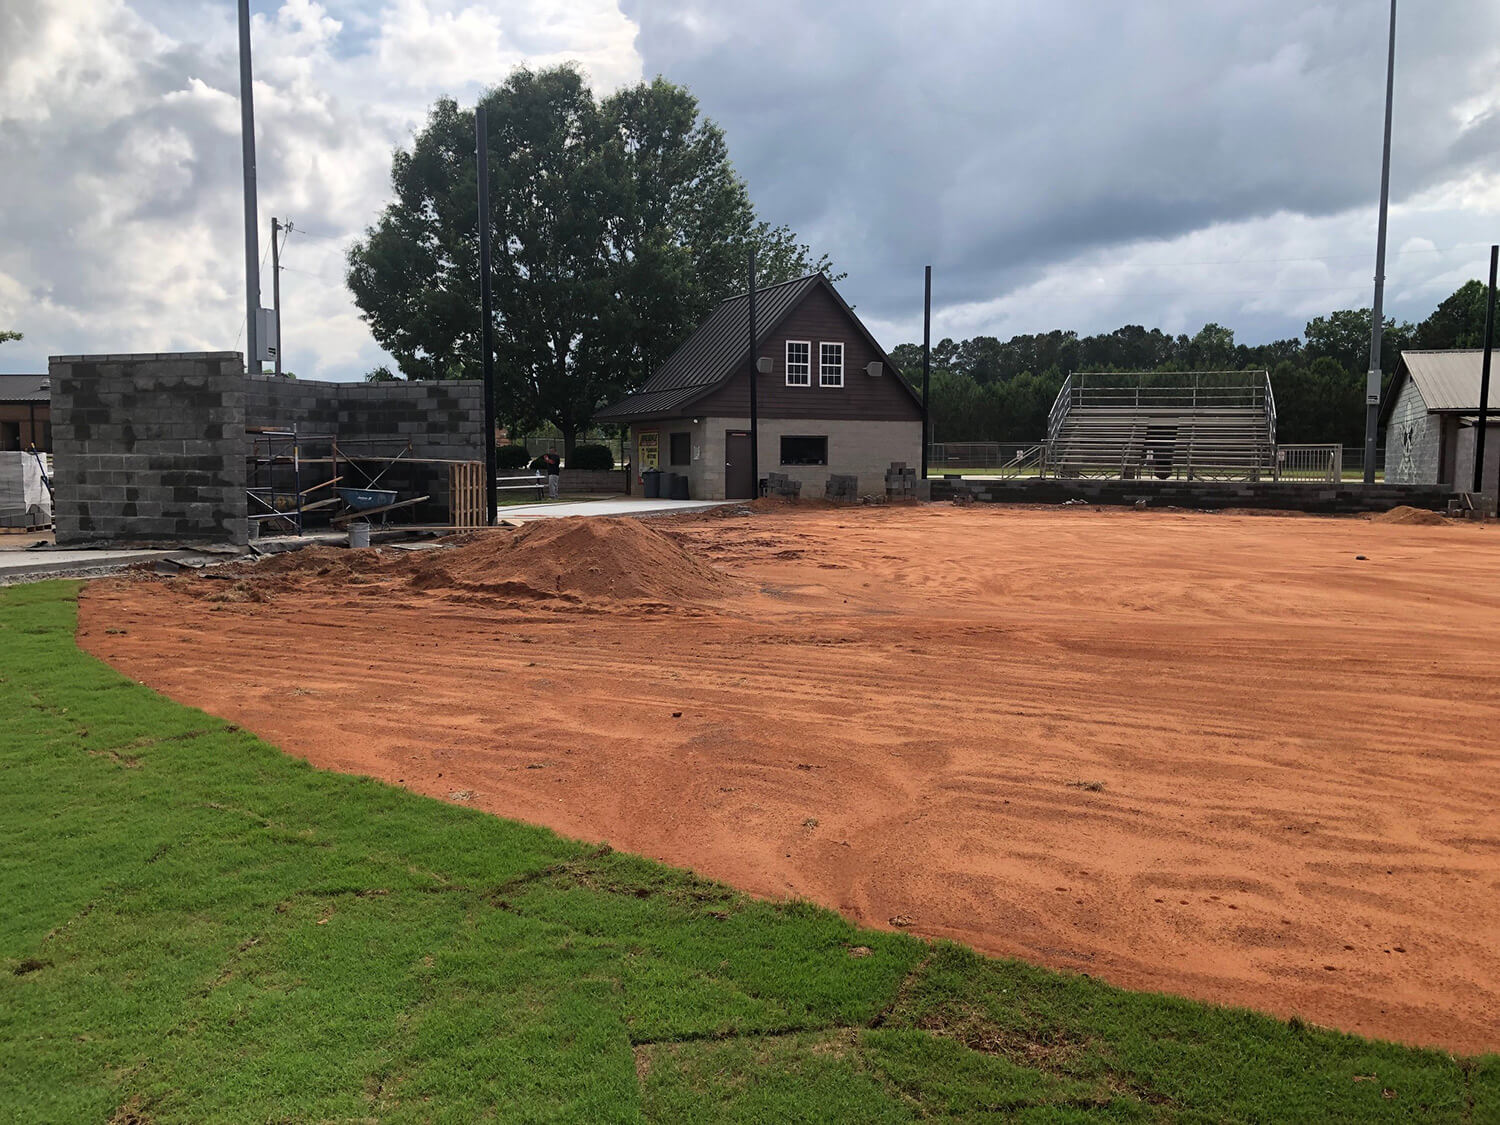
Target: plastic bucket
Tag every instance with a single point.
(359, 534)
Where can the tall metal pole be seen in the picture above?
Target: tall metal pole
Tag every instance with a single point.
(486, 313)
(247, 159)
(276, 229)
(1484, 375)
(1377, 313)
(754, 379)
(926, 367)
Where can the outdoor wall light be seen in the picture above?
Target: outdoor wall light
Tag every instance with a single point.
(765, 365)
(873, 369)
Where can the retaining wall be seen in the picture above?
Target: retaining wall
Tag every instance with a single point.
(1273, 495)
(149, 447)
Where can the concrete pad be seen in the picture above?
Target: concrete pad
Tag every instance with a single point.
(28, 566)
(619, 507)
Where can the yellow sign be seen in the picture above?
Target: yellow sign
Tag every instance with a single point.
(647, 450)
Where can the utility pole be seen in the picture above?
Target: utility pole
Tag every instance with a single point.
(276, 229)
(1484, 375)
(1377, 313)
(486, 302)
(754, 379)
(252, 235)
(926, 366)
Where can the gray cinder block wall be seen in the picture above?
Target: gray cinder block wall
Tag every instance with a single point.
(443, 420)
(149, 447)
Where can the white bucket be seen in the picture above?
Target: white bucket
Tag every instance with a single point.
(359, 534)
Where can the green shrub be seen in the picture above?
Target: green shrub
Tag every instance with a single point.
(511, 456)
(591, 457)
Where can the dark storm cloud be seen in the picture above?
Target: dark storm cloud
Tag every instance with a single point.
(995, 139)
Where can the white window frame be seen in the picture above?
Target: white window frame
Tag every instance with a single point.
(824, 378)
(805, 379)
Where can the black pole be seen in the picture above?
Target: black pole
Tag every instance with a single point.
(1377, 312)
(486, 312)
(276, 284)
(1484, 374)
(754, 379)
(926, 367)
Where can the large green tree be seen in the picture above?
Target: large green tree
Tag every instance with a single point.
(1458, 322)
(617, 225)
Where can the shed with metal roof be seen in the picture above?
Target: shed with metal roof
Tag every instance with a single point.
(1430, 420)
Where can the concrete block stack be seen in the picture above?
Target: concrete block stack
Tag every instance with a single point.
(842, 488)
(900, 482)
(783, 486)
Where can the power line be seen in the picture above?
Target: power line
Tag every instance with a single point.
(263, 255)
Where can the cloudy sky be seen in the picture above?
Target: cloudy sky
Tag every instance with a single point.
(1060, 163)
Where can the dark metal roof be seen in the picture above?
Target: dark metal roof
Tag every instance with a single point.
(25, 388)
(645, 403)
(718, 349)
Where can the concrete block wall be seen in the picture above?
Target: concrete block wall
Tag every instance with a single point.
(1271, 495)
(149, 447)
(1413, 440)
(442, 420)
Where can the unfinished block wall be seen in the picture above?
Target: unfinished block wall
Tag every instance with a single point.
(149, 447)
(442, 420)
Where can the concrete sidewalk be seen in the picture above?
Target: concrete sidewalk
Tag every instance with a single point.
(607, 508)
(27, 566)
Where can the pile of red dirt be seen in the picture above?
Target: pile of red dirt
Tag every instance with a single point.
(589, 561)
(1409, 515)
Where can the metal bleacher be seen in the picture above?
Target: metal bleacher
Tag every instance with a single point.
(1191, 425)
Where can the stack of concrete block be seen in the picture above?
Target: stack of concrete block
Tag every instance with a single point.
(900, 482)
(842, 488)
(783, 486)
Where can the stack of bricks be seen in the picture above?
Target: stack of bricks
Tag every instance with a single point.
(900, 482)
(783, 486)
(842, 488)
(149, 448)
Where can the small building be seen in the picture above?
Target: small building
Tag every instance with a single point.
(828, 399)
(1430, 420)
(25, 413)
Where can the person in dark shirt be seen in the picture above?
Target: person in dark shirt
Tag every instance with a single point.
(552, 466)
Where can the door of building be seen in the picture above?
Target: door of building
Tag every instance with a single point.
(739, 473)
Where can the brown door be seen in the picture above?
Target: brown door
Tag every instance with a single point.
(739, 474)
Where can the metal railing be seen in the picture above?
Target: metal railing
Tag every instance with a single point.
(1314, 464)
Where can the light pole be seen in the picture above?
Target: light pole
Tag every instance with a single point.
(247, 158)
(1377, 312)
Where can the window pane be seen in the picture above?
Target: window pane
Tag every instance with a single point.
(682, 449)
(798, 363)
(804, 450)
(831, 365)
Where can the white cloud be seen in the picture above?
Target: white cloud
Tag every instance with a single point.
(120, 156)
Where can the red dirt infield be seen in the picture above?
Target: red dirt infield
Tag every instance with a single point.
(1221, 756)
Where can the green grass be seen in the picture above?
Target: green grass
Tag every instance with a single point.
(195, 927)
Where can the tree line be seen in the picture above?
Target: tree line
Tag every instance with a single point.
(987, 389)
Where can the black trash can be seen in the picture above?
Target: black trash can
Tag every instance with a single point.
(679, 486)
(667, 485)
(651, 484)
